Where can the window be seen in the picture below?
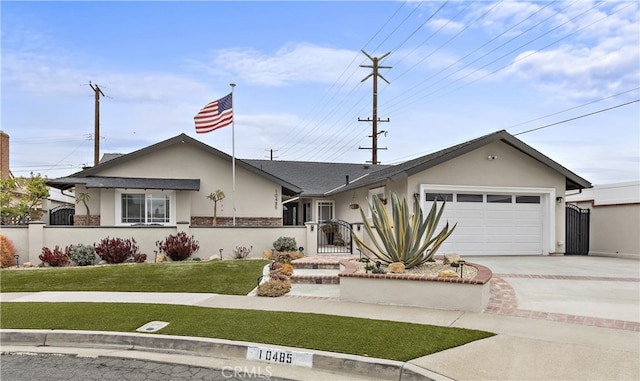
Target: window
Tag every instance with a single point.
(527, 199)
(440, 196)
(325, 210)
(499, 198)
(461, 197)
(145, 207)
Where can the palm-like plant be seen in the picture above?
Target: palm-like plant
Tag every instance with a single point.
(403, 237)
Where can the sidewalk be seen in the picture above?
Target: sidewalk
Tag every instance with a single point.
(525, 348)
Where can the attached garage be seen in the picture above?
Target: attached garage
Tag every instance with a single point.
(494, 221)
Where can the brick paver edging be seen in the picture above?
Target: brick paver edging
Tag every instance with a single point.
(483, 276)
(503, 301)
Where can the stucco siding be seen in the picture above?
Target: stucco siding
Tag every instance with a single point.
(613, 229)
(254, 197)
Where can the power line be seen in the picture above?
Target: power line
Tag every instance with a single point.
(577, 117)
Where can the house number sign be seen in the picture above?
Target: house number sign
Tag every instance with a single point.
(279, 356)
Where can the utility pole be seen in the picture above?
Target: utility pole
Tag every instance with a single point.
(271, 153)
(96, 136)
(374, 135)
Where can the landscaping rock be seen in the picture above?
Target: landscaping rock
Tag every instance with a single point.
(450, 258)
(161, 258)
(448, 274)
(27, 264)
(102, 262)
(396, 268)
(214, 258)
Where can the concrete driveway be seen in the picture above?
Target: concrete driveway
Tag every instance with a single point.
(575, 286)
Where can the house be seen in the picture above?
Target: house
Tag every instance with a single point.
(168, 182)
(614, 218)
(506, 197)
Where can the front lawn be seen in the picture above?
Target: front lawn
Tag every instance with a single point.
(366, 337)
(234, 277)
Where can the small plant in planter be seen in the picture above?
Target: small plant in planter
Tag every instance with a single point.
(116, 250)
(56, 257)
(179, 247)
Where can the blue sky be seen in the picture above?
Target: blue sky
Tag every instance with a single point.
(460, 69)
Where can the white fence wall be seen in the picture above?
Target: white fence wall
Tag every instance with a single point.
(29, 240)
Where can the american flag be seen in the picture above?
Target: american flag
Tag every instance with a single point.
(216, 114)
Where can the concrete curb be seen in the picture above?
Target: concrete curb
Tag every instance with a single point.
(360, 366)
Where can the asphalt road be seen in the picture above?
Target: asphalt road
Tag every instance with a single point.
(53, 367)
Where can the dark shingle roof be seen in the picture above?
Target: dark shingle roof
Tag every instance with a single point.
(126, 183)
(315, 178)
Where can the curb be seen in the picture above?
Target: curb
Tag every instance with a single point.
(355, 365)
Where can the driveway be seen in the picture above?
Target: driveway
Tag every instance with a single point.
(566, 288)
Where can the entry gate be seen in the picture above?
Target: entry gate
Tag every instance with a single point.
(62, 215)
(334, 236)
(577, 230)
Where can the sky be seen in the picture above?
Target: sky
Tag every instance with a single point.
(564, 77)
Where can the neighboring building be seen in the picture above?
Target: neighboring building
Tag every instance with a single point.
(614, 218)
(506, 197)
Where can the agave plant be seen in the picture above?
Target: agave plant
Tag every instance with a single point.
(403, 237)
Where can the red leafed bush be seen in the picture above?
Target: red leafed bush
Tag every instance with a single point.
(116, 250)
(57, 257)
(178, 247)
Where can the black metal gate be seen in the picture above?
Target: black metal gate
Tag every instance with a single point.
(334, 236)
(62, 215)
(577, 230)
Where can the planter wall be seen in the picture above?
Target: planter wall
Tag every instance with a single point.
(418, 291)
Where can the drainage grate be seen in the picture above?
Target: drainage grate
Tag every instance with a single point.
(153, 326)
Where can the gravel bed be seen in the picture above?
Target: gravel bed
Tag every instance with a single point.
(429, 269)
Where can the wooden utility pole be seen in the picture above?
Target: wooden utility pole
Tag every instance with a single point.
(96, 135)
(374, 120)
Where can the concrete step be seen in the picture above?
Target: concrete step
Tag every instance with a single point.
(315, 276)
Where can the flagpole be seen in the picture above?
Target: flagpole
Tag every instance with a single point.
(233, 156)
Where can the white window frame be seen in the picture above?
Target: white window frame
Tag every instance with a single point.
(330, 203)
(146, 193)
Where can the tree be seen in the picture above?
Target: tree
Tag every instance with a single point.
(22, 197)
(216, 196)
(84, 197)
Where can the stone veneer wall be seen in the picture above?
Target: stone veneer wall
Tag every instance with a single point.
(81, 220)
(240, 221)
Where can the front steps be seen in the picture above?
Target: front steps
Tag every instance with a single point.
(316, 270)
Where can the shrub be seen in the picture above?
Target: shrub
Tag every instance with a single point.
(285, 244)
(274, 287)
(56, 257)
(83, 255)
(178, 247)
(286, 269)
(402, 236)
(116, 250)
(7, 252)
(139, 257)
(241, 252)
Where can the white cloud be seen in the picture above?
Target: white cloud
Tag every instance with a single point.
(302, 63)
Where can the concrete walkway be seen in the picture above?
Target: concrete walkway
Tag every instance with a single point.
(536, 339)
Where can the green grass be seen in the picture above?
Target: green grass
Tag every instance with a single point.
(374, 338)
(234, 277)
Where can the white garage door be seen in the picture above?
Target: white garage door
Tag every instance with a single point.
(491, 223)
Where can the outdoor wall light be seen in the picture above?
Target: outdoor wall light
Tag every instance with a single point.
(559, 199)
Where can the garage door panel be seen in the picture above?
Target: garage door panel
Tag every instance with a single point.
(493, 228)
